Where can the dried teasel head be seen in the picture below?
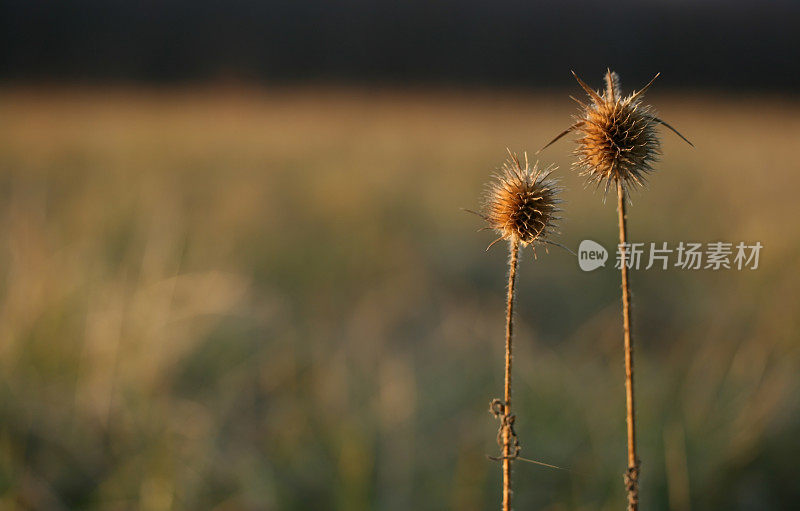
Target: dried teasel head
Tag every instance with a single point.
(522, 203)
(617, 136)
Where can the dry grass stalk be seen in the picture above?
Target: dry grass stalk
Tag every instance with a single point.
(521, 207)
(618, 143)
(632, 474)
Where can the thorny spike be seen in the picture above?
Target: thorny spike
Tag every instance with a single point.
(581, 103)
(512, 156)
(656, 119)
(474, 213)
(563, 133)
(493, 243)
(637, 94)
(612, 85)
(591, 92)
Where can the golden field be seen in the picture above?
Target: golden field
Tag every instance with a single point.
(240, 299)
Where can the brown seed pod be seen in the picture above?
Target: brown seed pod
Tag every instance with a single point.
(522, 203)
(617, 136)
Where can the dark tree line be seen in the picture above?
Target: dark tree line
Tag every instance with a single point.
(744, 44)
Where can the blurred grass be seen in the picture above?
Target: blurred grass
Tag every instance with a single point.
(230, 299)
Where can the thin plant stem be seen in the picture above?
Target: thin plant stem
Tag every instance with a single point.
(632, 475)
(507, 420)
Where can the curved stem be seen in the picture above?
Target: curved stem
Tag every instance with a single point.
(632, 475)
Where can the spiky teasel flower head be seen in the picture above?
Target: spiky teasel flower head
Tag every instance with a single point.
(522, 203)
(617, 136)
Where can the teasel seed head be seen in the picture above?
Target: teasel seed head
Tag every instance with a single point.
(617, 135)
(522, 203)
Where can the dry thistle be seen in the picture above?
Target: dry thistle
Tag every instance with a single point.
(522, 203)
(521, 206)
(618, 144)
(618, 140)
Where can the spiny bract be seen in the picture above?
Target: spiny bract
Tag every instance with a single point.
(522, 203)
(618, 140)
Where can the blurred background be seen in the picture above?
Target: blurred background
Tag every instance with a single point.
(235, 275)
